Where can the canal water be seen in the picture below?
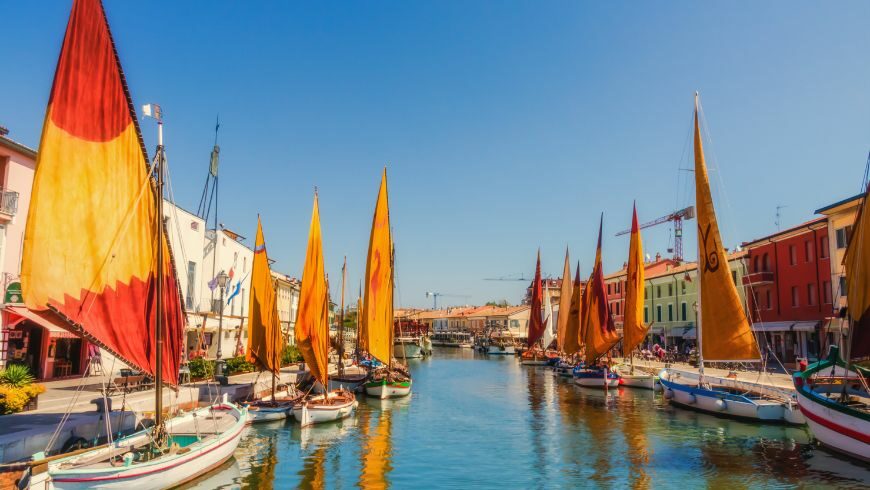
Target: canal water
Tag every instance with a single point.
(477, 422)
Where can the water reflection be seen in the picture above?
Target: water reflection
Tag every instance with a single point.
(634, 430)
(376, 448)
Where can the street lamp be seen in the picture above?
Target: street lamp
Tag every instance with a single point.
(222, 279)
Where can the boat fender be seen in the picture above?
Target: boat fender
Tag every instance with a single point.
(669, 393)
(721, 405)
(128, 458)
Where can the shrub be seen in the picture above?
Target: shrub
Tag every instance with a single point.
(290, 355)
(16, 375)
(200, 368)
(236, 365)
(14, 398)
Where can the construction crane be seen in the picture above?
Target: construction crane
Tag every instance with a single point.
(435, 296)
(677, 217)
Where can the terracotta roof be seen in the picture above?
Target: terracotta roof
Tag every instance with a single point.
(788, 231)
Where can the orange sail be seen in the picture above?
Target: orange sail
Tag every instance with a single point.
(573, 336)
(536, 323)
(633, 328)
(312, 318)
(377, 319)
(92, 235)
(601, 335)
(724, 332)
(265, 341)
(564, 305)
(857, 262)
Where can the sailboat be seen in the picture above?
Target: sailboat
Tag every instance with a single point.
(97, 257)
(833, 394)
(723, 330)
(598, 332)
(390, 380)
(354, 376)
(633, 329)
(535, 356)
(312, 336)
(563, 367)
(265, 340)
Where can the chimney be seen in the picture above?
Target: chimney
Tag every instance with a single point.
(658, 256)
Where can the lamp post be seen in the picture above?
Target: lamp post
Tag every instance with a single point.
(222, 284)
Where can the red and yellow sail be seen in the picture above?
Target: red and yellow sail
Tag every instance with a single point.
(633, 329)
(536, 324)
(573, 336)
(265, 342)
(564, 305)
(724, 333)
(312, 318)
(377, 319)
(90, 247)
(600, 333)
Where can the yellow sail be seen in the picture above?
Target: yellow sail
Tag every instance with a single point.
(857, 263)
(312, 318)
(573, 335)
(724, 332)
(265, 341)
(377, 319)
(564, 305)
(633, 328)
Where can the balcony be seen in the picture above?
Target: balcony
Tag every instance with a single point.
(758, 278)
(8, 204)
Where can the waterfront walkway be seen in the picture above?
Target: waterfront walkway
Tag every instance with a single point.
(777, 380)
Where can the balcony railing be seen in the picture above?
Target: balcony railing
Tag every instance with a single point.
(8, 202)
(758, 278)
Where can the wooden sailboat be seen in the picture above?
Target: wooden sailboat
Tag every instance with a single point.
(96, 256)
(598, 332)
(390, 380)
(633, 329)
(351, 377)
(265, 340)
(534, 355)
(724, 333)
(563, 367)
(312, 336)
(833, 394)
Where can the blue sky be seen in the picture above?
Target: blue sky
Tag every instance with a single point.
(505, 126)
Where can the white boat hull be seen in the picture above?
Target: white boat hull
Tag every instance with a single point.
(384, 390)
(837, 430)
(310, 414)
(407, 350)
(165, 472)
(533, 362)
(501, 350)
(267, 414)
(644, 381)
(596, 382)
(720, 402)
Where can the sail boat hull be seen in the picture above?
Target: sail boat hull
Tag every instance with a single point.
(384, 389)
(721, 401)
(314, 411)
(835, 425)
(93, 470)
(595, 379)
(643, 381)
(407, 349)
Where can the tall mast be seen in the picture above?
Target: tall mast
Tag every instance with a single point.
(158, 327)
(700, 252)
(341, 320)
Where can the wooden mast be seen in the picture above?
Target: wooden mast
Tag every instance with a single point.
(341, 320)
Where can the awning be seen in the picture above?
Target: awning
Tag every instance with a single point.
(17, 314)
(785, 326)
(690, 334)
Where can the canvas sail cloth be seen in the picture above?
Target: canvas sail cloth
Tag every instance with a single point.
(549, 335)
(857, 264)
(600, 333)
(265, 341)
(564, 305)
(724, 332)
(312, 318)
(536, 325)
(90, 248)
(633, 328)
(377, 319)
(573, 337)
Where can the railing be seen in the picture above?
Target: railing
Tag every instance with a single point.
(758, 278)
(8, 202)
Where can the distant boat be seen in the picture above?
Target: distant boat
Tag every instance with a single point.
(724, 333)
(96, 257)
(410, 339)
(833, 394)
(391, 380)
(537, 338)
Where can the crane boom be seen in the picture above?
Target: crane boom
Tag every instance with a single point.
(677, 217)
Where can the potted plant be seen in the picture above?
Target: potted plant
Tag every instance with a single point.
(18, 392)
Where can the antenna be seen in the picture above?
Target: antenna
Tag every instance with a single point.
(778, 221)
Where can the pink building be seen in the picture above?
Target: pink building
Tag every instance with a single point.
(25, 337)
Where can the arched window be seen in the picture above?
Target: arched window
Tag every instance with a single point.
(766, 263)
(756, 263)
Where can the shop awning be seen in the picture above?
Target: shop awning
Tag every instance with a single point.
(17, 314)
(785, 326)
(690, 334)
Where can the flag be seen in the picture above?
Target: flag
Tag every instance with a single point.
(265, 342)
(92, 235)
(312, 318)
(238, 287)
(378, 301)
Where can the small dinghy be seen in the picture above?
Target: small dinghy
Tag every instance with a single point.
(329, 407)
(389, 383)
(595, 378)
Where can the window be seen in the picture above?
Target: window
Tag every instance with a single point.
(808, 251)
(765, 263)
(191, 285)
(811, 294)
(823, 247)
(756, 263)
(843, 236)
(795, 299)
(608, 289)
(658, 313)
(843, 289)
(734, 277)
(194, 225)
(826, 290)
(670, 312)
(769, 303)
(659, 293)
(792, 255)
(684, 311)
(682, 287)
(670, 289)
(646, 314)
(617, 308)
